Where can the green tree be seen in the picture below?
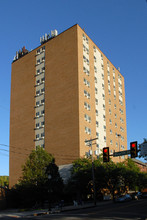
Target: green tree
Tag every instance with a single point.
(34, 170)
(4, 181)
(34, 185)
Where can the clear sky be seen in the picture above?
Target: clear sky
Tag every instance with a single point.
(117, 27)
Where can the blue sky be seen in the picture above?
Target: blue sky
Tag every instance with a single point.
(118, 28)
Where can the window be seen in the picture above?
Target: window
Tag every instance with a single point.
(94, 59)
(42, 135)
(38, 61)
(37, 125)
(43, 69)
(42, 112)
(104, 117)
(37, 136)
(42, 90)
(102, 86)
(109, 102)
(110, 111)
(103, 96)
(38, 81)
(96, 101)
(97, 124)
(116, 125)
(116, 144)
(38, 51)
(115, 106)
(96, 112)
(115, 115)
(42, 101)
(87, 130)
(103, 106)
(101, 57)
(43, 59)
(43, 48)
(38, 71)
(110, 122)
(37, 114)
(95, 90)
(105, 138)
(94, 48)
(104, 128)
(37, 103)
(111, 142)
(110, 131)
(42, 123)
(97, 134)
(95, 69)
(43, 79)
(95, 79)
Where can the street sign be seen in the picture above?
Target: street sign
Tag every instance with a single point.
(121, 153)
(143, 152)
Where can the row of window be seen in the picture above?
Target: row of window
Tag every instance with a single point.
(38, 103)
(40, 92)
(87, 106)
(40, 113)
(39, 81)
(39, 71)
(86, 60)
(38, 136)
(86, 94)
(86, 82)
(87, 130)
(87, 118)
(39, 51)
(40, 124)
(39, 61)
(85, 49)
(86, 71)
(85, 39)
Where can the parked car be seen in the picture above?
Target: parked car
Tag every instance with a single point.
(123, 198)
(137, 195)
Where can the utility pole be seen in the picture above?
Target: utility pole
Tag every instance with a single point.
(93, 176)
(118, 135)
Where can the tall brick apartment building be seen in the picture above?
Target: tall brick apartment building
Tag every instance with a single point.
(64, 92)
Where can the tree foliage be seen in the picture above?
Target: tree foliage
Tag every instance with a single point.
(110, 177)
(35, 186)
(4, 181)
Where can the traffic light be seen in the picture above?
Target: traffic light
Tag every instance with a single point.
(133, 149)
(106, 154)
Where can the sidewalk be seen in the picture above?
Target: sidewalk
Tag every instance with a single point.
(16, 214)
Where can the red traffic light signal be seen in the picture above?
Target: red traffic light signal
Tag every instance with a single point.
(106, 154)
(133, 149)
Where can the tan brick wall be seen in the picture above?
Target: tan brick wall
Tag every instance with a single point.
(22, 114)
(61, 97)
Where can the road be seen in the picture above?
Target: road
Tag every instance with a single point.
(132, 210)
(135, 210)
